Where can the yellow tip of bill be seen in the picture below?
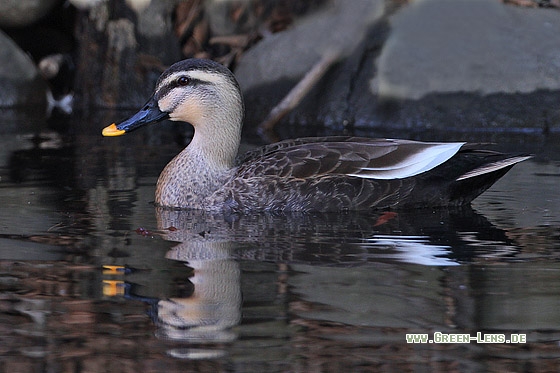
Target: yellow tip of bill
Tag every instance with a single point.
(112, 130)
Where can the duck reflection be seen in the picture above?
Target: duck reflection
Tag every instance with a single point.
(214, 306)
(214, 246)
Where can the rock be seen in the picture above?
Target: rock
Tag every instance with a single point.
(470, 64)
(438, 46)
(19, 78)
(460, 65)
(290, 54)
(270, 69)
(21, 13)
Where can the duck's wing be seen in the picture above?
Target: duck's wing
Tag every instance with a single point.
(350, 156)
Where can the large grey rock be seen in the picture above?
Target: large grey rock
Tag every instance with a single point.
(292, 53)
(470, 64)
(268, 71)
(19, 78)
(21, 13)
(483, 46)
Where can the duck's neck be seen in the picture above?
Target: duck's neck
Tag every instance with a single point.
(203, 166)
(216, 143)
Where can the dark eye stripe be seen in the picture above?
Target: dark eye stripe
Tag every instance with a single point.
(183, 81)
(187, 81)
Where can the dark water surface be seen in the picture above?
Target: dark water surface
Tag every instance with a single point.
(93, 278)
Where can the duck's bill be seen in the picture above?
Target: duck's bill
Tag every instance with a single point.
(150, 113)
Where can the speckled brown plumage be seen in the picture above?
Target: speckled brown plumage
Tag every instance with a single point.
(311, 175)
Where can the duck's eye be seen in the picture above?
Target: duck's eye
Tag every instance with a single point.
(183, 81)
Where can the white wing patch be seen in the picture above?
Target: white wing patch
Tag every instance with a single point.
(416, 163)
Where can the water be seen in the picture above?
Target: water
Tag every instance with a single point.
(93, 278)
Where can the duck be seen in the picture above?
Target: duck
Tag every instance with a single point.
(322, 174)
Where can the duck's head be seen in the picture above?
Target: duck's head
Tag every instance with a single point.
(200, 92)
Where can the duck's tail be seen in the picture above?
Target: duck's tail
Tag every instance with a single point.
(473, 182)
(461, 179)
(493, 167)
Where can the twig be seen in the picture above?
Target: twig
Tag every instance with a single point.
(294, 97)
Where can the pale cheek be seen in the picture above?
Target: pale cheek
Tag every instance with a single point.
(191, 113)
(167, 103)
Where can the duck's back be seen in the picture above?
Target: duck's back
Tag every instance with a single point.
(352, 173)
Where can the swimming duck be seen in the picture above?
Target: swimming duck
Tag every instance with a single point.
(306, 174)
